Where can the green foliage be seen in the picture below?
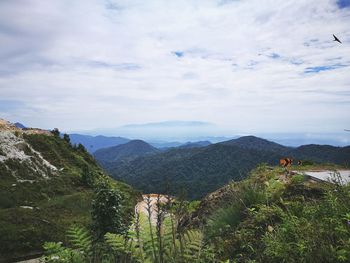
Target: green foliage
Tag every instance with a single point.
(55, 132)
(193, 206)
(298, 179)
(285, 226)
(81, 240)
(88, 177)
(122, 248)
(274, 189)
(135, 246)
(192, 243)
(224, 219)
(312, 232)
(307, 162)
(56, 253)
(81, 148)
(107, 212)
(118, 248)
(66, 138)
(258, 224)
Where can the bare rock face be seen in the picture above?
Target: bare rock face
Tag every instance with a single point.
(5, 125)
(14, 149)
(8, 126)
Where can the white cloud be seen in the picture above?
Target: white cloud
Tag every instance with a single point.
(99, 64)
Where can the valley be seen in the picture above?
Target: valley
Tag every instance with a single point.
(200, 170)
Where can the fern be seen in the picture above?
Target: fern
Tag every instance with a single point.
(116, 242)
(192, 240)
(81, 240)
(122, 247)
(187, 248)
(56, 253)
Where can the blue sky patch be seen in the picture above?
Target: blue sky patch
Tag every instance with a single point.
(343, 3)
(10, 105)
(179, 54)
(120, 66)
(274, 56)
(296, 61)
(323, 68)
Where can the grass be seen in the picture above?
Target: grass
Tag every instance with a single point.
(23, 230)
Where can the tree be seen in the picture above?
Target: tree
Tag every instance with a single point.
(66, 138)
(81, 148)
(55, 132)
(87, 176)
(107, 211)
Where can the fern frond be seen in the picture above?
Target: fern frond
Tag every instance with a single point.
(116, 242)
(193, 242)
(122, 246)
(80, 239)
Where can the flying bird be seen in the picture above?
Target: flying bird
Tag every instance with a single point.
(346, 130)
(336, 39)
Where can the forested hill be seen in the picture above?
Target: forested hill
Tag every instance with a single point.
(202, 170)
(125, 152)
(46, 186)
(256, 143)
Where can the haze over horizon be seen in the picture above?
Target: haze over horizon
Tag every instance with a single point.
(239, 67)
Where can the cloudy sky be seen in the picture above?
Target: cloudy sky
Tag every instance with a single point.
(253, 66)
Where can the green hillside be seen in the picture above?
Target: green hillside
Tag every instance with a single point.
(125, 152)
(271, 217)
(44, 190)
(198, 171)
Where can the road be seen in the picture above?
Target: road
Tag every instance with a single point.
(327, 175)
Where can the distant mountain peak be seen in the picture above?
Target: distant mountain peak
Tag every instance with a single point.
(127, 151)
(253, 142)
(169, 124)
(19, 125)
(137, 141)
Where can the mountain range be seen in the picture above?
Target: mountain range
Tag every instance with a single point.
(200, 170)
(94, 143)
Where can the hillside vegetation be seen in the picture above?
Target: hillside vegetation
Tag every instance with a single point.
(269, 217)
(45, 187)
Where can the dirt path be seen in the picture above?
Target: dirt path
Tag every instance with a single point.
(141, 206)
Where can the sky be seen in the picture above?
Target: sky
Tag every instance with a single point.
(243, 67)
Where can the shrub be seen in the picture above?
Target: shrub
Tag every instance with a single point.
(107, 213)
(298, 179)
(223, 221)
(56, 132)
(66, 138)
